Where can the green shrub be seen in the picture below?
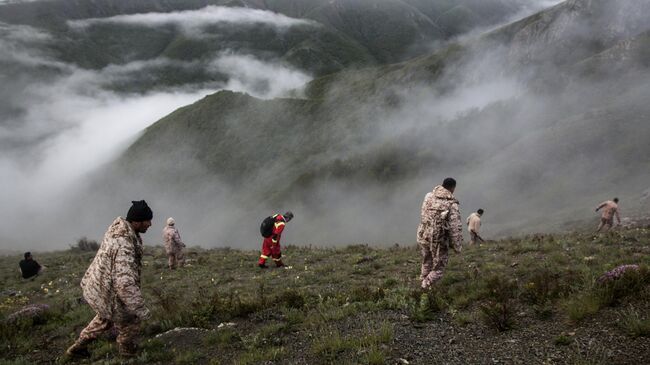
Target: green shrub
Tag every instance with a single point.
(582, 306)
(329, 344)
(424, 307)
(543, 286)
(366, 294)
(610, 292)
(189, 357)
(374, 356)
(499, 307)
(222, 336)
(85, 244)
(290, 298)
(563, 340)
(634, 325)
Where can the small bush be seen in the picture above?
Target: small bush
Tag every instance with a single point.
(389, 283)
(463, 318)
(154, 350)
(374, 356)
(329, 344)
(188, 357)
(582, 306)
(563, 340)
(542, 287)
(85, 244)
(610, 292)
(261, 356)
(499, 308)
(366, 294)
(424, 307)
(224, 336)
(543, 311)
(290, 298)
(634, 325)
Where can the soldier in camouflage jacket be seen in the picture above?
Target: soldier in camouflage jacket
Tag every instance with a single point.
(440, 227)
(111, 285)
(173, 244)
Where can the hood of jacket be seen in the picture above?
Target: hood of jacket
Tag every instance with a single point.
(120, 228)
(439, 192)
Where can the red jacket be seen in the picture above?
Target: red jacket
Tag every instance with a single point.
(278, 227)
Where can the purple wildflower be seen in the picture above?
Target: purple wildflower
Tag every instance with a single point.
(617, 273)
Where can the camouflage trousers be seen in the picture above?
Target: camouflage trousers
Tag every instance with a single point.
(127, 334)
(175, 259)
(434, 261)
(473, 238)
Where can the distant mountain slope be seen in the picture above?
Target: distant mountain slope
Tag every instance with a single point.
(355, 32)
(373, 137)
(553, 39)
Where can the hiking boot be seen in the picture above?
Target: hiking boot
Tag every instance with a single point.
(77, 351)
(128, 350)
(262, 266)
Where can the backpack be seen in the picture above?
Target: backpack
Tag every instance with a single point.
(266, 229)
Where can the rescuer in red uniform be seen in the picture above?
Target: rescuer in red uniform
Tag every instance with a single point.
(271, 244)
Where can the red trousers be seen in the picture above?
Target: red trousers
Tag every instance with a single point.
(272, 250)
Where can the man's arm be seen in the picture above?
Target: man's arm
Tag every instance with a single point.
(601, 206)
(278, 227)
(127, 280)
(455, 228)
(177, 238)
(618, 216)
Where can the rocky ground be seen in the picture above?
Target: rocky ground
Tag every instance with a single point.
(528, 300)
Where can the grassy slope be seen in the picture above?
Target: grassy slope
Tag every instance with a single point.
(361, 305)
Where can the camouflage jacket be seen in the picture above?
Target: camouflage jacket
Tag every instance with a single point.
(440, 220)
(172, 240)
(111, 285)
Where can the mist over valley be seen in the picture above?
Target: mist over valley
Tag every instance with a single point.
(346, 112)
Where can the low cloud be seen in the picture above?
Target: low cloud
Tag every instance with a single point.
(193, 21)
(57, 128)
(258, 78)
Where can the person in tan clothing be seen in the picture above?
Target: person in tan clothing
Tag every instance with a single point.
(173, 244)
(474, 226)
(440, 229)
(111, 285)
(609, 210)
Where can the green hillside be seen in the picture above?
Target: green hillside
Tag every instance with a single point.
(565, 138)
(522, 300)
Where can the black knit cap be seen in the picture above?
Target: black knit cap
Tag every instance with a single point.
(139, 212)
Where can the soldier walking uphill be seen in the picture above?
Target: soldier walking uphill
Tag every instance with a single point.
(473, 226)
(609, 210)
(173, 244)
(440, 227)
(111, 285)
(271, 229)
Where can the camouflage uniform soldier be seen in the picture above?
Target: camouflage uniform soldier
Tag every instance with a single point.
(440, 227)
(111, 285)
(173, 244)
(609, 211)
